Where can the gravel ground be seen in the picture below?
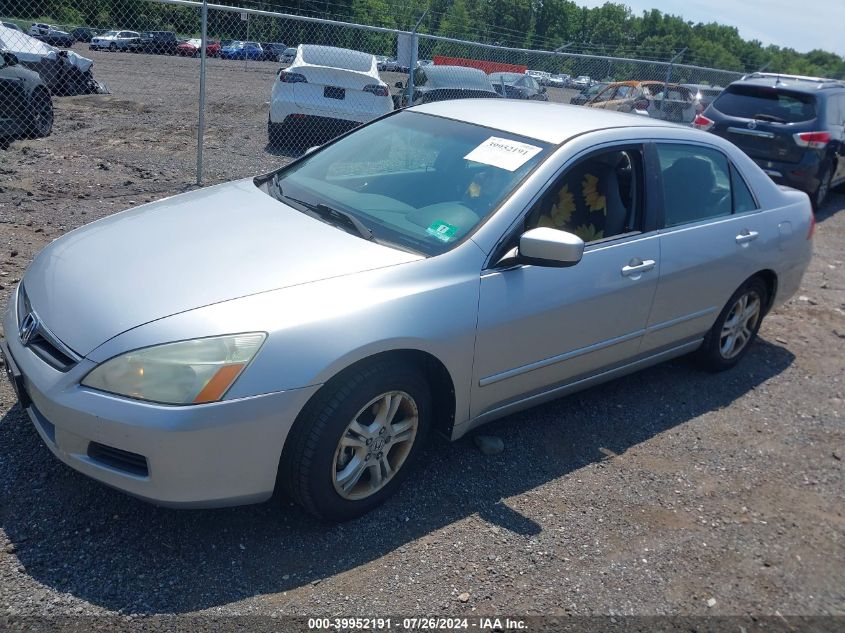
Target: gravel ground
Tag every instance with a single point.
(672, 491)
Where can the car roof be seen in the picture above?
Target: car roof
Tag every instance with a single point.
(795, 84)
(545, 121)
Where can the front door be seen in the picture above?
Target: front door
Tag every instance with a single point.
(539, 327)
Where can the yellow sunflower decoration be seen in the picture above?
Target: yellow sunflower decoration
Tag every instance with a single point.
(595, 200)
(588, 233)
(562, 211)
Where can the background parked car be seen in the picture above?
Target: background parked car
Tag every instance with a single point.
(582, 81)
(288, 56)
(156, 43)
(39, 28)
(114, 40)
(272, 51)
(53, 36)
(669, 102)
(560, 81)
(84, 33)
(26, 108)
(703, 95)
(191, 48)
(792, 127)
(438, 83)
(540, 76)
(326, 91)
(587, 93)
(242, 50)
(518, 86)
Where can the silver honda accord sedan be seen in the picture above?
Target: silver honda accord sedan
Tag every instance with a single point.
(431, 271)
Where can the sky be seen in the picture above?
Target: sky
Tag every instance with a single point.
(802, 25)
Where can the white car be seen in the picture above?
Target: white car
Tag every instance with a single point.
(540, 76)
(113, 40)
(40, 29)
(325, 91)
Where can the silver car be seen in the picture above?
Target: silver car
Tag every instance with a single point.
(438, 268)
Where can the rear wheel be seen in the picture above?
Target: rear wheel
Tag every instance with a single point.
(820, 195)
(736, 328)
(112, 47)
(355, 442)
(41, 114)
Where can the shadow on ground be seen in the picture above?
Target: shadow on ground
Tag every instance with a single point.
(79, 537)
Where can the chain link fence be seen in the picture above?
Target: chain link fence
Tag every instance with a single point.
(249, 86)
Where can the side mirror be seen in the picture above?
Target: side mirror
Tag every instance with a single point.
(11, 59)
(399, 85)
(545, 246)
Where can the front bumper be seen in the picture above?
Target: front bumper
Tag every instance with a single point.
(218, 454)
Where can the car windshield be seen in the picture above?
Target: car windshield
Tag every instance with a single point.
(452, 77)
(110, 33)
(767, 104)
(508, 78)
(337, 58)
(418, 182)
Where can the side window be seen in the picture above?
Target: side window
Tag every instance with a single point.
(696, 183)
(623, 92)
(604, 95)
(599, 197)
(834, 113)
(742, 198)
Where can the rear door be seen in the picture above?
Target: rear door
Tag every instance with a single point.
(712, 240)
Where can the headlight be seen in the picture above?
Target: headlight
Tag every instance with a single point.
(188, 372)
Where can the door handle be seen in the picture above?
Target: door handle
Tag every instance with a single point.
(637, 267)
(746, 236)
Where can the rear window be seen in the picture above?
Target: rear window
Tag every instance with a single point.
(337, 58)
(767, 104)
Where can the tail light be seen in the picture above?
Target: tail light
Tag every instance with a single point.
(814, 140)
(377, 90)
(702, 122)
(641, 104)
(292, 78)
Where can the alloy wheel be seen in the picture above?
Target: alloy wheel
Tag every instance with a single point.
(740, 325)
(375, 445)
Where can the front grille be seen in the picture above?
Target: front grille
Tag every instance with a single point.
(119, 459)
(43, 343)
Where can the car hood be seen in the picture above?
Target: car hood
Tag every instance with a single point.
(182, 253)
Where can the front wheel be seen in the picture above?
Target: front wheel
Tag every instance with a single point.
(736, 328)
(355, 442)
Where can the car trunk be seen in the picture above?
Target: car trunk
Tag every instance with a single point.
(336, 89)
(761, 121)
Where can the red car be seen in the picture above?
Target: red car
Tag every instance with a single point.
(191, 48)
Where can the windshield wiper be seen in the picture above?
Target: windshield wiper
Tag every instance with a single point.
(334, 216)
(768, 117)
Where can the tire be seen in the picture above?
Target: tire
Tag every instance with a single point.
(820, 194)
(112, 47)
(337, 481)
(41, 114)
(722, 349)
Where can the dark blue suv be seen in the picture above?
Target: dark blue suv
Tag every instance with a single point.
(793, 127)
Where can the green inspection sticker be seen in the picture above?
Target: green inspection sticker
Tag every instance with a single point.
(442, 231)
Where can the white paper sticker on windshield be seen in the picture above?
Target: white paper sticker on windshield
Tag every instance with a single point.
(503, 153)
